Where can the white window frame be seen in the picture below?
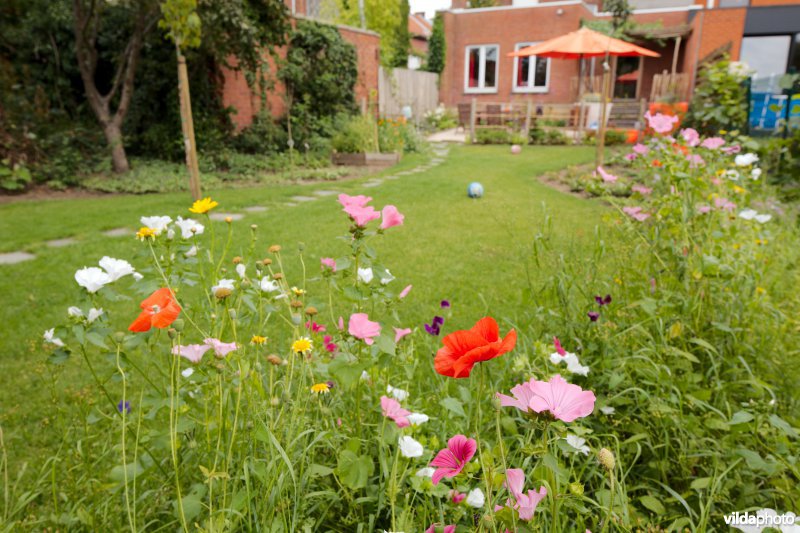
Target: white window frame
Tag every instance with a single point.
(531, 73)
(481, 69)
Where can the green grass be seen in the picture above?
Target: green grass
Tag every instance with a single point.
(472, 252)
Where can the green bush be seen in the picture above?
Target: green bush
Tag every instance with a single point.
(14, 177)
(492, 136)
(441, 118)
(538, 135)
(613, 137)
(356, 135)
(263, 136)
(720, 99)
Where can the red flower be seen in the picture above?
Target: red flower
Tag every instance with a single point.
(462, 349)
(160, 309)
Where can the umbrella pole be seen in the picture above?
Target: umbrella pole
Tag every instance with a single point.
(601, 128)
(580, 99)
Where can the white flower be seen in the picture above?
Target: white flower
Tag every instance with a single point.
(425, 472)
(223, 288)
(157, 224)
(365, 275)
(137, 276)
(188, 372)
(417, 418)
(48, 337)
(755, 173)
(240, 268)
(364, 375)
(475, 498)
(94, 314)
(573, 363)
(608, 410)
(399, 394)
(732, 175)
(116, 268)
(409, 447)
(578, 443)
(748, 214)
(75, 311)
(191, 252)
(189, 227)
(170, 234)
(763, 218)
(745, 160)
(386, 280)
(268, 285)
(92, 278)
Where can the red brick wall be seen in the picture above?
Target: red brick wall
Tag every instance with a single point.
(762, 3)
(247, 103)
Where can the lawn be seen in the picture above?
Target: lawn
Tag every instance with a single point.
(476, 253)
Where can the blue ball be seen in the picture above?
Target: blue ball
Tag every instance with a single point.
(475, 190)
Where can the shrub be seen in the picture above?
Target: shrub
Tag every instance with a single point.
(613, 137)
(538, 135)
(263, 136)
(720, 99)
(492, 136)
(441, 118)
(355, 135)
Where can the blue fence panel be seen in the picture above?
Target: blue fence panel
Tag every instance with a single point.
(767, 108)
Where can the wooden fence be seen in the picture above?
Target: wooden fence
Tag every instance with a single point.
(668, 86)
(398, 88)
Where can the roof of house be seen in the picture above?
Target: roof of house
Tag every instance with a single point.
(419, 26)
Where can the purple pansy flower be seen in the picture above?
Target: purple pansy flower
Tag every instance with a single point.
(126, 406)
(445, 304)
(603, 301)
(593, 315)
(434, 328)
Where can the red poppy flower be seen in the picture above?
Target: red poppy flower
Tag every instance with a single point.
(160, 309)
(657, 163)
(462, 349)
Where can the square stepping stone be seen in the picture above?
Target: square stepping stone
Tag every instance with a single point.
(373, 183)
(303, 198)
(255, 209)
(15, 257)
(60, 243)
(326, 193)
(290, 204)
(220, 217)
(118, 232)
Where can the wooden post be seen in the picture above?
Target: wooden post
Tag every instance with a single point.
(640, 77)
(675, 55)
(640, 120)
(187, 125)
(528, 112)
(601, 128)
(473, 111)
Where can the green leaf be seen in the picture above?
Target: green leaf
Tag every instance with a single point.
(740, 417)
(354, 470)
(454, 406)
(652, 504)
(132, 469)
(779, 423)
(701, 483)
(346, 373)
(192, 506)
(96, 339)
(316, 470)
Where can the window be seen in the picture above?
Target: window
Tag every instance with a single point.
(768, 57)
(480, 75)
(531, 73)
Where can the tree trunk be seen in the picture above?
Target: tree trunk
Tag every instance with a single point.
(119, 160)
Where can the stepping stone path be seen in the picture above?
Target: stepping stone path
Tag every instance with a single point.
(12, 258)
(255, 209)
(222, 216)
(325, 193)
(301, 199)
(118, 232)
(60, 243)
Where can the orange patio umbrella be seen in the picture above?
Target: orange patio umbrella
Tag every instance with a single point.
(587, 43)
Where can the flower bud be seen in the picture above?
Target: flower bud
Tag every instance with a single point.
(274, 360)
(275, 401)
(266, 261)
(119, 337)
(222, 292)
(232, 314)
(606, 458)
(170, 234)
(178, 324)
(253, 227)
(301, 246)
(228, 219)
(274, 249)
(277, 275)
(246, 284)
(172, 332)
(296, 304)
(237, 260)
(311, 310)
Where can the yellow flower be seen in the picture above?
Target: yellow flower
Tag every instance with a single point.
(760, 290)
(298, 292)
(736, 246)
(258, 339)
(618, 281)
(320, 388)
(740, 190)
(145, 233)
(302, 345)
(723, 132)
(203, 206)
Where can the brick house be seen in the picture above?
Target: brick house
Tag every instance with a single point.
(420, 30)
(763, 33)
(236, 93)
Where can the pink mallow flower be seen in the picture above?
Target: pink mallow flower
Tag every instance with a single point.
(640, 149)
(451, 460)
(695, 160)
(712, 143)
(730, 150)
(192, 352)
(724, 204)
(362, 215)
(641, 189)
(315, 328)
(703, 209)
(522, 502)
(456, 497)
(445, 529)
(328, 262)
(405, 292)
(661, 123)
(636, 213)
(391, 217)
(361, 327)
(329, 345)
(221, 349)
(607, 177)
(564, 401)
(691, 136)
(630, 157)
(391, 409)
(359, 201)
(399, 333)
